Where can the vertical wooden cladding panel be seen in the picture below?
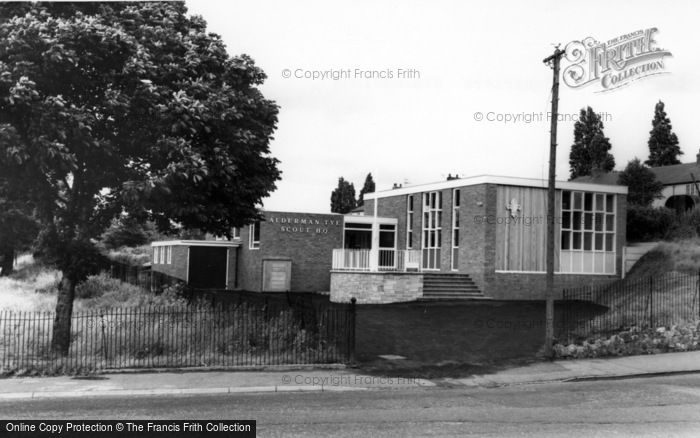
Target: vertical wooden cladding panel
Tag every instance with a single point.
(521, 236)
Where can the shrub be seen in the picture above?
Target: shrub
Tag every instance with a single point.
(648, 223)
(134, 256)
(634, 341)
(95, 286)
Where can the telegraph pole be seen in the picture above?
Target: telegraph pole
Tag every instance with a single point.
(553, 62)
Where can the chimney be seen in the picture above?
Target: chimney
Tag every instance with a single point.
(697, 158)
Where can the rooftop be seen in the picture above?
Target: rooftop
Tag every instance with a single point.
(500, 180)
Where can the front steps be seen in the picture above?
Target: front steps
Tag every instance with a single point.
(440, 287)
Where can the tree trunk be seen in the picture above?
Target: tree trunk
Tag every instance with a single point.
(64, 310)
(8, 261)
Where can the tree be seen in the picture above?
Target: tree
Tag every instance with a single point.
(112, 108)
(18, 229)
(643, 187)
(368, 187)
(590, 151)
(343, 197)
(127, 231)
(663, 143)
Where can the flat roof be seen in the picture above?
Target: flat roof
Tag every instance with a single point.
(498, 180)
(225, 243)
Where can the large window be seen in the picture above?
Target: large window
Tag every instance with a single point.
(587, 232)
(163, 254)
(254, 238)
(358, 235)
(409, 222)
(432, 230)
(455, 229)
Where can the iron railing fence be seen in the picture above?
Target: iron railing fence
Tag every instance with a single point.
(224, 335)
(651, 302)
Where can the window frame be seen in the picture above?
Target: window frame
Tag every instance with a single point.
(254, 229)
(588, 232)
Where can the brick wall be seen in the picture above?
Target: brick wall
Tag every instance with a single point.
(178, 266)
(477, 246)
(375, 287)
(307, 239)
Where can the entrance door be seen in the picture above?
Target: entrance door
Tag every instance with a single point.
(207, 267)
(432, 230)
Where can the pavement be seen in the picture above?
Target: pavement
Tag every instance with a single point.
(305, 379)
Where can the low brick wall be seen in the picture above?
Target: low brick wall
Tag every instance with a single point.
(375, 287)
(532, 286)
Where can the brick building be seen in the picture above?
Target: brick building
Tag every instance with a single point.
(479, 237)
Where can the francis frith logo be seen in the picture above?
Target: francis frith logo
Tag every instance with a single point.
(614, 63)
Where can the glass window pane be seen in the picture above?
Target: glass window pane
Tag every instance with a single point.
(609, 242)
(577, 221)
(599, 241)
(587, 241)
(439, 200)
(609, 222)
(386, 239)
(566, 220)
(588, 262)
(610, 203)
(410, 202)
(566, 240)
(609, 264)
(566, 200)
(588, 204)
(439, 237)
(588, 221)
(439, 219)
(577, 200)
(455, 238)
(599, 220)
(456, 198)
(599, 266)
(599, 202)
(576, 243)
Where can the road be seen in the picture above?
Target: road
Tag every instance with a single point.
(660, 406)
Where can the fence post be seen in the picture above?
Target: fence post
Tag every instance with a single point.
(104, 341)
(698, 288)
(651, 302)
(353, 319)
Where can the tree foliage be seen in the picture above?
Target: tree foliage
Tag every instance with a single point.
(663, 143)
(18, 228)
(127, 231)
(111, 108)
(591, 149)
(343, 197)
(368, 187)
(643, 187)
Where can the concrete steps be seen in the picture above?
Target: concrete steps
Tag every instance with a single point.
(438, 287)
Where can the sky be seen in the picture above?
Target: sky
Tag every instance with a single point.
(411, 76)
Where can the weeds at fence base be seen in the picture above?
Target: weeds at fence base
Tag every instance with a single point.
(180, 336)
(634, 341)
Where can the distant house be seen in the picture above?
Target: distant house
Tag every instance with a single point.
(680, 190)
